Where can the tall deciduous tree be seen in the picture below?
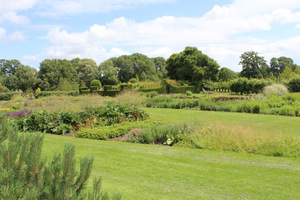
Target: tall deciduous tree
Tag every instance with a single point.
(86, 69)
(160, 65)
(253, 66)
(52, 70)
(278, 65)
(192, 65)
(108, 72)
(27, 78)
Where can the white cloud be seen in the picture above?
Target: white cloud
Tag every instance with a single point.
(14, 18)
(16, 36)
(32, 61)
(16, 5)
(216, 33)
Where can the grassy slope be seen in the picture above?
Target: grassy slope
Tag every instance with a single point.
(159, 172)
(271, 123)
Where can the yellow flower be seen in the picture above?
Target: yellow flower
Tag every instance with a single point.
(1, 109)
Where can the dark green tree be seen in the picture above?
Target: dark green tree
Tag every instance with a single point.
(226, 74)
(278, 65)
(192, 65)
(253, 66)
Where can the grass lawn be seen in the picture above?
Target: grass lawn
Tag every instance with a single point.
(159, 172)
(269, 123)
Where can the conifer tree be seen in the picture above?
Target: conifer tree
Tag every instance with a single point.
(26, 174)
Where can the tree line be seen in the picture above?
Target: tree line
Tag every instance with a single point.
(189, 66)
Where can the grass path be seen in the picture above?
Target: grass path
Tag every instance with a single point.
(159, 172)
(271, 123)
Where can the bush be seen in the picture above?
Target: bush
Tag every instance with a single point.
(275, 89)
(294, 84)
(189, 93)
(96, 84)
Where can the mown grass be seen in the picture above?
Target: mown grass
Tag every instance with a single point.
(160, 172)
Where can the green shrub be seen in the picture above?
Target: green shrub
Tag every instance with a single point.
(189, 93)
(7, 96)
(294, 84)
(96, 84)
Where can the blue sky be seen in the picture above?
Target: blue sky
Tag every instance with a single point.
(34, 30)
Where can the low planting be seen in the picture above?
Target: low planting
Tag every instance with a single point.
(217, 136)
(62, 115)
(112, 131)
(278, 105)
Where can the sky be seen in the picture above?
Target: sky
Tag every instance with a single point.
(34, 30)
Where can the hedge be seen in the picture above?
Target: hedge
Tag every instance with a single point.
(7, 95)
(181, 89)
(110, 93)
(294, 84)
(50, 93)
(161, 90)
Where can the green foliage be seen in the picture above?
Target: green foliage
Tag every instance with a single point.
(240, 85)
(66, 85)
(57, 93)
(161, 90)
(7, 96)
(86, 69)
(226, 74)
(96, 83)
(106, 132)
(25, 174)
(192, 65)
(167, 134)
(294, 84)
(189, 93)
(133, 80)
(253, 65)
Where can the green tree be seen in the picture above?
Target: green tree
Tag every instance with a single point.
(252, 65)
(86, 69)
(226, 74)
(27, 78)
(192, 65)
(160, 65)
(108, 72)
(135, 64)
(52, 70)
(278, 65)
(286, 74)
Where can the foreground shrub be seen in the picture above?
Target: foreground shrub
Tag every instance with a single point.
(131, 98)
(276, 89)
(25, 174)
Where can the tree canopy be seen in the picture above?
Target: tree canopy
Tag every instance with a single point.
(253, 66)
(192, 65)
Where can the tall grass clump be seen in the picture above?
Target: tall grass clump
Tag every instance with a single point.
(223, 137)
(130, 98)
(276, 89)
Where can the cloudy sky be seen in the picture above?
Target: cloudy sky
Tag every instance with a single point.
(34, 30)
